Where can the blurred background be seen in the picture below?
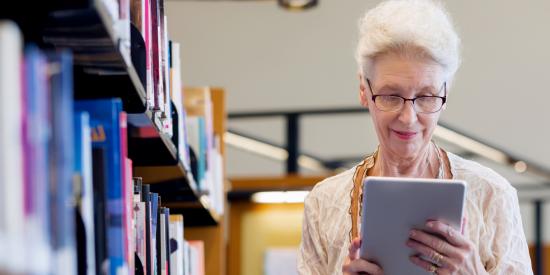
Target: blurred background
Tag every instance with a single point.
(294, 116)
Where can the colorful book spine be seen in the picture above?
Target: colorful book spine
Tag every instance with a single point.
(176, 245)
(11, 158)
(61, 156)
(36, 135)
(85, 205)
(156, 66)
(105, 122)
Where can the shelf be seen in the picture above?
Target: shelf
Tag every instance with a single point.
(180, 193)
(103, 64)
(155, 149)
(104, 68)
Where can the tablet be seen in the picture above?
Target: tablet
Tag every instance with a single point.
(394, 206)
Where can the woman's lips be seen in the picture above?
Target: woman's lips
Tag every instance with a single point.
(405, 135)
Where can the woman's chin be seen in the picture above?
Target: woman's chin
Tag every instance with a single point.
(406, 151)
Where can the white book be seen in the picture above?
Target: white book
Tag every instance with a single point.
(177, 256)
(11, 160)
(139, 233)
(177, 97)
(162, 228)
(186, 258)
(87, 203)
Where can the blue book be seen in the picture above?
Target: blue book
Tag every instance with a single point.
(154, 228)
(85, 205)
(61, 155)
(105, 124)
(36, 135)
(196, 126)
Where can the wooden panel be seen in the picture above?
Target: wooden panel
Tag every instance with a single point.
(237, 239)
(545, 256)
(214, 246)
(219, 115)
(154, 174)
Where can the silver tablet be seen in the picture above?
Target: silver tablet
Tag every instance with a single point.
(394, 206)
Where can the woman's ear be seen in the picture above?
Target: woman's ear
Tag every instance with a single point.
(363, 91)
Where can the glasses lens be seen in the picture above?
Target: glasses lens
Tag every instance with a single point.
(389, 103)
(428, 104)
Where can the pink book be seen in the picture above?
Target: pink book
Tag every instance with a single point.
(147, 34)
(198, 260)
(125, 173)
(128, 205)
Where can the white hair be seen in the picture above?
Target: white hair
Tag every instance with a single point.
(421, 27)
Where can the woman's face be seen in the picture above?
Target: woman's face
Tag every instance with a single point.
(403, 133)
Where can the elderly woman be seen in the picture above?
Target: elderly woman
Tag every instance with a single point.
(408, 53)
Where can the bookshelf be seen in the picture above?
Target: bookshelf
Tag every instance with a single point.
(108, 66)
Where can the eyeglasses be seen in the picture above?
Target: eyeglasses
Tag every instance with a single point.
(426, 104)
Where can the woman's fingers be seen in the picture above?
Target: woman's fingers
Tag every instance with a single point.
(431, 254)
(425, 265)
(439, 245)
(453, 236)
(358, 266)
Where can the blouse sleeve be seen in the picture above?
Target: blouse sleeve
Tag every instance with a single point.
(312, 256)
(510, 254)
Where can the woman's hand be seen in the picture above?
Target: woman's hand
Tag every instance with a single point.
(355, 265)
(447, 249)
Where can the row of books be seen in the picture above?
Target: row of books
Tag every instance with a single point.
(158, 240)
(193, 107)
(186, 116)
(69, 203)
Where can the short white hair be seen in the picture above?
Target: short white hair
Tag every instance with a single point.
(406, 26)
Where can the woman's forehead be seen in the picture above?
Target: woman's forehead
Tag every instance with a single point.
(406, 73)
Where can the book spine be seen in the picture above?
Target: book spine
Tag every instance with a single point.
(11, 158)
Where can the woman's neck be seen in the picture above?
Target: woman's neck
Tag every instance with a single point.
(424, 165)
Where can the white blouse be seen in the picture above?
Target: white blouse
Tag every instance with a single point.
(492, 214)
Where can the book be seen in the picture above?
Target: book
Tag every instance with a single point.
(123, 29)
(37, 182)
(198, 103)
(99, 170)
(196, 127)
(155, 249)
(61, 157)
(129, 232)
(12, 211)
(176, 245)
(140, 237)
(148, 36)
(162, 242)
(85, 195)
(127, 192)
(177, 95)
(149, 244)
(196, 258)
(167, 244)
(156, 66)
(105, 122)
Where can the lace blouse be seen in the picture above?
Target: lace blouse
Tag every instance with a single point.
(491, 210)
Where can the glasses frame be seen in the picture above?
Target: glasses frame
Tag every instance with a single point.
(443, 98)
